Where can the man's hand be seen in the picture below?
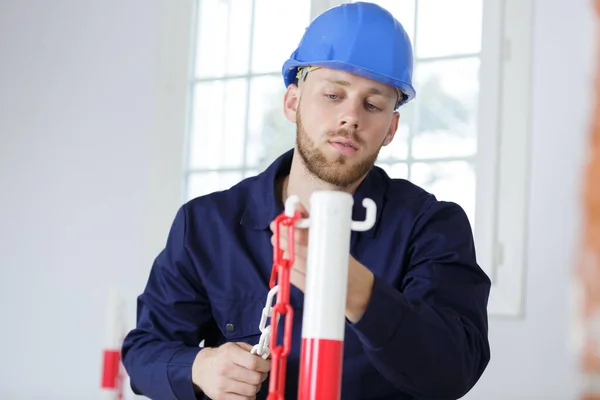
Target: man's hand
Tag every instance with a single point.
(360, 288)
(229, 372)
(298, 271)
(360, 278)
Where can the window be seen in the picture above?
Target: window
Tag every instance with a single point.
(464, 137)
(237, 123)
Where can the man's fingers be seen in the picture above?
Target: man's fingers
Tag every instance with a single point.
(301, 209)
(300, 241)
(297, 273)
(298, 279)
(252, 362)
(274, 242)
(233, 396)
(244, 375)
(244, 345)
(301, 236)
(242, 389)
(283, 243)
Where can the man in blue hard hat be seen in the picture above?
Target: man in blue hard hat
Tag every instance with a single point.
(416, 307)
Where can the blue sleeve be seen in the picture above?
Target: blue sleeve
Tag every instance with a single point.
(428, 336)
(172, 314)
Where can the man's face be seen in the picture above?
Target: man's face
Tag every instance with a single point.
(342, 122)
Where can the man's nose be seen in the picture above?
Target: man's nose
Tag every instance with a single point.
(349, 119)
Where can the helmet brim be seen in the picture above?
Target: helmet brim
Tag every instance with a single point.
(290, 68)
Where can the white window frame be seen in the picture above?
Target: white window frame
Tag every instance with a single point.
(504, 151)
(502, 159)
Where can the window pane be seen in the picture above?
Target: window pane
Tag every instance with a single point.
(448, 27)
(395, 171)
(449, 181)
(223, 38)
(403, 10)
(202, 183)
(278, 28)
(218, 125)
(447, 108)
(270, 132)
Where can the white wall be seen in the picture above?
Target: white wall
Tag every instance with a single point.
(533, 358)
(90, 157)
(90, 177)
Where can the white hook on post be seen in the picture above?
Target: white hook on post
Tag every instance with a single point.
(369, 218)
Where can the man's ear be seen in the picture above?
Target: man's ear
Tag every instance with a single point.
(291, 98)
(393, 128)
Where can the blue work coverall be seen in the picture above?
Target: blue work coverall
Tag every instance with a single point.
(423, 335)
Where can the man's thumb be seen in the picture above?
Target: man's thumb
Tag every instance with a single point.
(302, 210)
(245, 346)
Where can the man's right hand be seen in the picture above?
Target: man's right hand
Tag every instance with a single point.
(230, 372)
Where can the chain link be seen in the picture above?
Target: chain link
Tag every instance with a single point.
(262, 348)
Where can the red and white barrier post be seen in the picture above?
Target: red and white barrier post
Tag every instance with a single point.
(112, 371)
(330, 225)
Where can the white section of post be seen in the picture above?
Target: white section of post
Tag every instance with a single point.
(114, 320)
(327, 265)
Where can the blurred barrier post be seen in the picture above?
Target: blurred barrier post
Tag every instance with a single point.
(112, 368)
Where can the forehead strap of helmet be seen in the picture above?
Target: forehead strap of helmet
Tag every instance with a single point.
(303, 71)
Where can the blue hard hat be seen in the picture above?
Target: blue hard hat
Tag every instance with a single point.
(361, 38)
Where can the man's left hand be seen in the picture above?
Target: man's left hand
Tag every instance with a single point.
(298, 271)
(360, 278)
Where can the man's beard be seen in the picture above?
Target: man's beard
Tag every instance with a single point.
(341, 172)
